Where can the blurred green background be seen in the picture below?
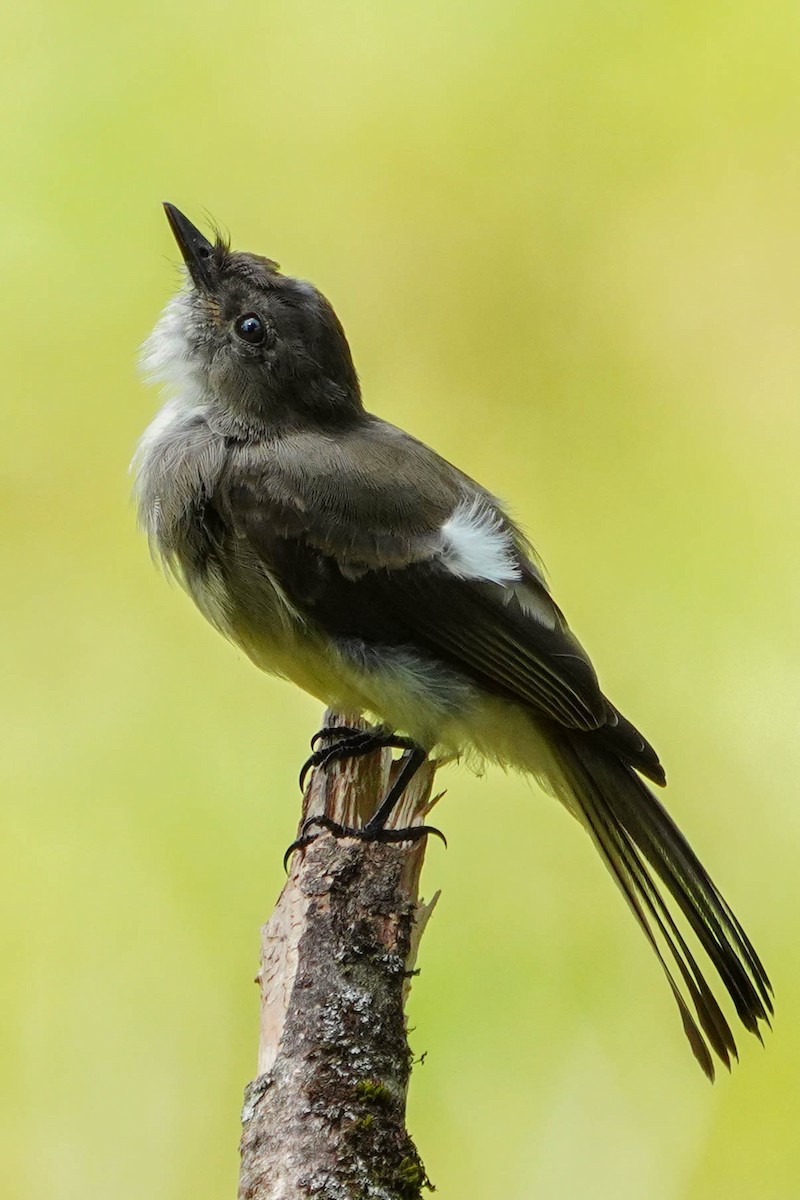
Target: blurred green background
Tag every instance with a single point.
(564, 240)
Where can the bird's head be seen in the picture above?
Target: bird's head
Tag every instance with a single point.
(266, 349)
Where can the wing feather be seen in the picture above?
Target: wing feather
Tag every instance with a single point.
(358, 531)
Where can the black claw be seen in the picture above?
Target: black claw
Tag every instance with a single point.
(346, 747)
(298, 844)
(310, 762)
(412, 833)
(350, 743)
(334, 827)
(334, 731)
(367, 833)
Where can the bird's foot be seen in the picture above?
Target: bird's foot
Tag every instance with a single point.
(367, 833)
(350, 743)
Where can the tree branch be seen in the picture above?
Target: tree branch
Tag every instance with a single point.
(325, 1117)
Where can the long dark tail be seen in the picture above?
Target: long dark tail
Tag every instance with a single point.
(631, 829)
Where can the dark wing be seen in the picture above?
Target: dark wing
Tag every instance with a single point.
(359, 550)
(498, 634)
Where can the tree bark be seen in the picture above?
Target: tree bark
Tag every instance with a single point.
(325, 1116)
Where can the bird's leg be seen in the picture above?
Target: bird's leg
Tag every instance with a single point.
(410, 763)
(374, 830)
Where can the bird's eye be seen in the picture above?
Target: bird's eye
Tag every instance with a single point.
(250, 328)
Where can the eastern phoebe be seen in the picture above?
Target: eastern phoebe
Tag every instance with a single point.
(341, 553)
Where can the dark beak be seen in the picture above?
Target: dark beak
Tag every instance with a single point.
(195, 248)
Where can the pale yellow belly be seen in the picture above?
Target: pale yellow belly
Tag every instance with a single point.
(444, 713)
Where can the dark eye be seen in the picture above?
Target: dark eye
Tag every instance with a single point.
(250, 328)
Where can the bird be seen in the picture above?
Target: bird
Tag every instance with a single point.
(341, 553)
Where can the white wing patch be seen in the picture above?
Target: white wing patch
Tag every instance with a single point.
(477, 546)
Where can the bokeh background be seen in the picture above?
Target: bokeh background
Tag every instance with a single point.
(565, 241)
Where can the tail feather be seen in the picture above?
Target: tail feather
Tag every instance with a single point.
(708, 1010)
(627, 868)
(629, 825)
(715, 924)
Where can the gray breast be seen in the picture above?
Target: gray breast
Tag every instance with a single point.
(177, 467)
